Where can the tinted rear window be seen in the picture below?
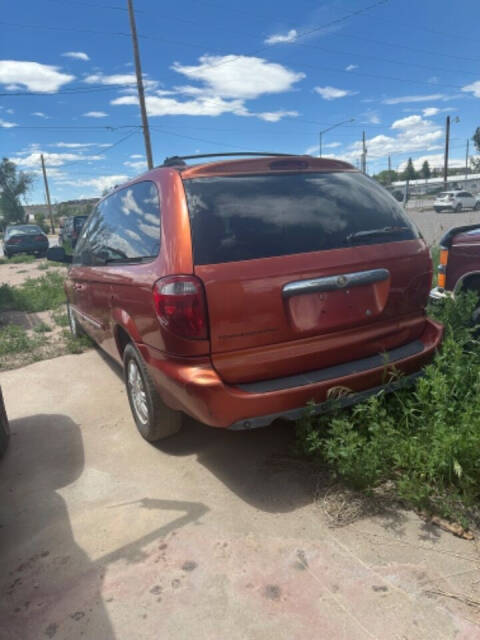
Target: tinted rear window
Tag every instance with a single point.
(246, 217)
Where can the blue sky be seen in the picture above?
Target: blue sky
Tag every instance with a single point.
(223, 77)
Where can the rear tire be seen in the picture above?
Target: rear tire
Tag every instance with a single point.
(154, 420)
(458, 208)
(7, 255)
(438, 209)
(477, 206)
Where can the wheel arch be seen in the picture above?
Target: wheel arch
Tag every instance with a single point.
(469, 281)
(124, 330)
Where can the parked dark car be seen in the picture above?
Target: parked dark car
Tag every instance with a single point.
(238, 291)
(459, 266)
(25, 238)
(71, 230)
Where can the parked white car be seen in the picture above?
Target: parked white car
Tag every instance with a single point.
(456, 201)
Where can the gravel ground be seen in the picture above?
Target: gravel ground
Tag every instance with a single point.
(433, 225)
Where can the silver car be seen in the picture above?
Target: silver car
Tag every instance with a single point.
(456, 201)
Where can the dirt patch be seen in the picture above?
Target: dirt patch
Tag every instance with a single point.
(15, 274)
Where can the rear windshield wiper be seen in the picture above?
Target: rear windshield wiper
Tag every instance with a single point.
(385, 231)
(127, 260)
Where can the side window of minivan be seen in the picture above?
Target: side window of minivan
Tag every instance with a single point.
(125, 227)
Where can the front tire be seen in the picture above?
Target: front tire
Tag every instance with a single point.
(154, 420)
(438, 209)
(477, 206)
(458, 208)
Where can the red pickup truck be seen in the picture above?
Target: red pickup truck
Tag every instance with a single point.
(459, 266)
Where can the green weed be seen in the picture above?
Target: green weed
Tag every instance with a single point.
(42, 327)
(14, 339)
(60, 317)
(76, 345)
(43, 266)
(35, 294)
(21, 258)
(425, 441)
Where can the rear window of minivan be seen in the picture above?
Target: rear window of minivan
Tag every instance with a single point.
(258, 216)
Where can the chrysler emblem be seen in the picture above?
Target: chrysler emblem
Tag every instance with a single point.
(341, 281)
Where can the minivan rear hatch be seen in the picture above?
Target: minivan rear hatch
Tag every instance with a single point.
(303, 270)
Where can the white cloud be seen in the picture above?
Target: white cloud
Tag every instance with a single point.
(351, 67)
(222, 88)
(371, 116)
(435, 161)
(332, 93)
(137, 156)
(7, 125)
(275, 116)
(34, 76)
(137, 165)
(412, 133)
(40, 114)
(279, 38)
(243, 77)
(32, 159)
(430, 111)
(98, 184)
(332, 145)
(74, 145)
(473, 88)
(422, 98)
(95, 114)
(76, 55)
(120, 79)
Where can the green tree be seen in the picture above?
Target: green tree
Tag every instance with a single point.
(409, 173)
(476, 140)
(13, 185)
(386, 177)
(426, 172)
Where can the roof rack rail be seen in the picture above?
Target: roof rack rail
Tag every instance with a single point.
(180, 160)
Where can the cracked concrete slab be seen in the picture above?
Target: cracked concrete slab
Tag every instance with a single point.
(207, 536)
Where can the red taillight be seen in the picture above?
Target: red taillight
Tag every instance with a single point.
(40, 238)
(14, 240)
(180, 305)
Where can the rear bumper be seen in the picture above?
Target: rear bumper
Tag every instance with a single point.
(16, 248)
(195, 387)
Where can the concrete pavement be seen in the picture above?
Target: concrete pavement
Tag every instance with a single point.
(211, 535)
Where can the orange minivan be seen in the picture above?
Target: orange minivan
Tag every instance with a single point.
(238, 291)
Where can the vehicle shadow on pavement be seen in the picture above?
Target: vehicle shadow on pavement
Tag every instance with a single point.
(259, 466)
(49, 586)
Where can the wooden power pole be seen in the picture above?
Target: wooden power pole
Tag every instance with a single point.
(141, 93)
(466, 161)
(364, 154)
(445, 162)
(47, 193)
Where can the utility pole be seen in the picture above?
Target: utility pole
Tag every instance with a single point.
(47, 193)
(445, 162)
(141, 93)
(389, 163)
(466, 162)
(364, 154)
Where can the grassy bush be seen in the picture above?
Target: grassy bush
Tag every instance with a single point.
(21, 258)
(35, 294)
(42, 327)
(76, 345)
(14, 339)
(43, 266)
(425, 441)
(60, 317)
